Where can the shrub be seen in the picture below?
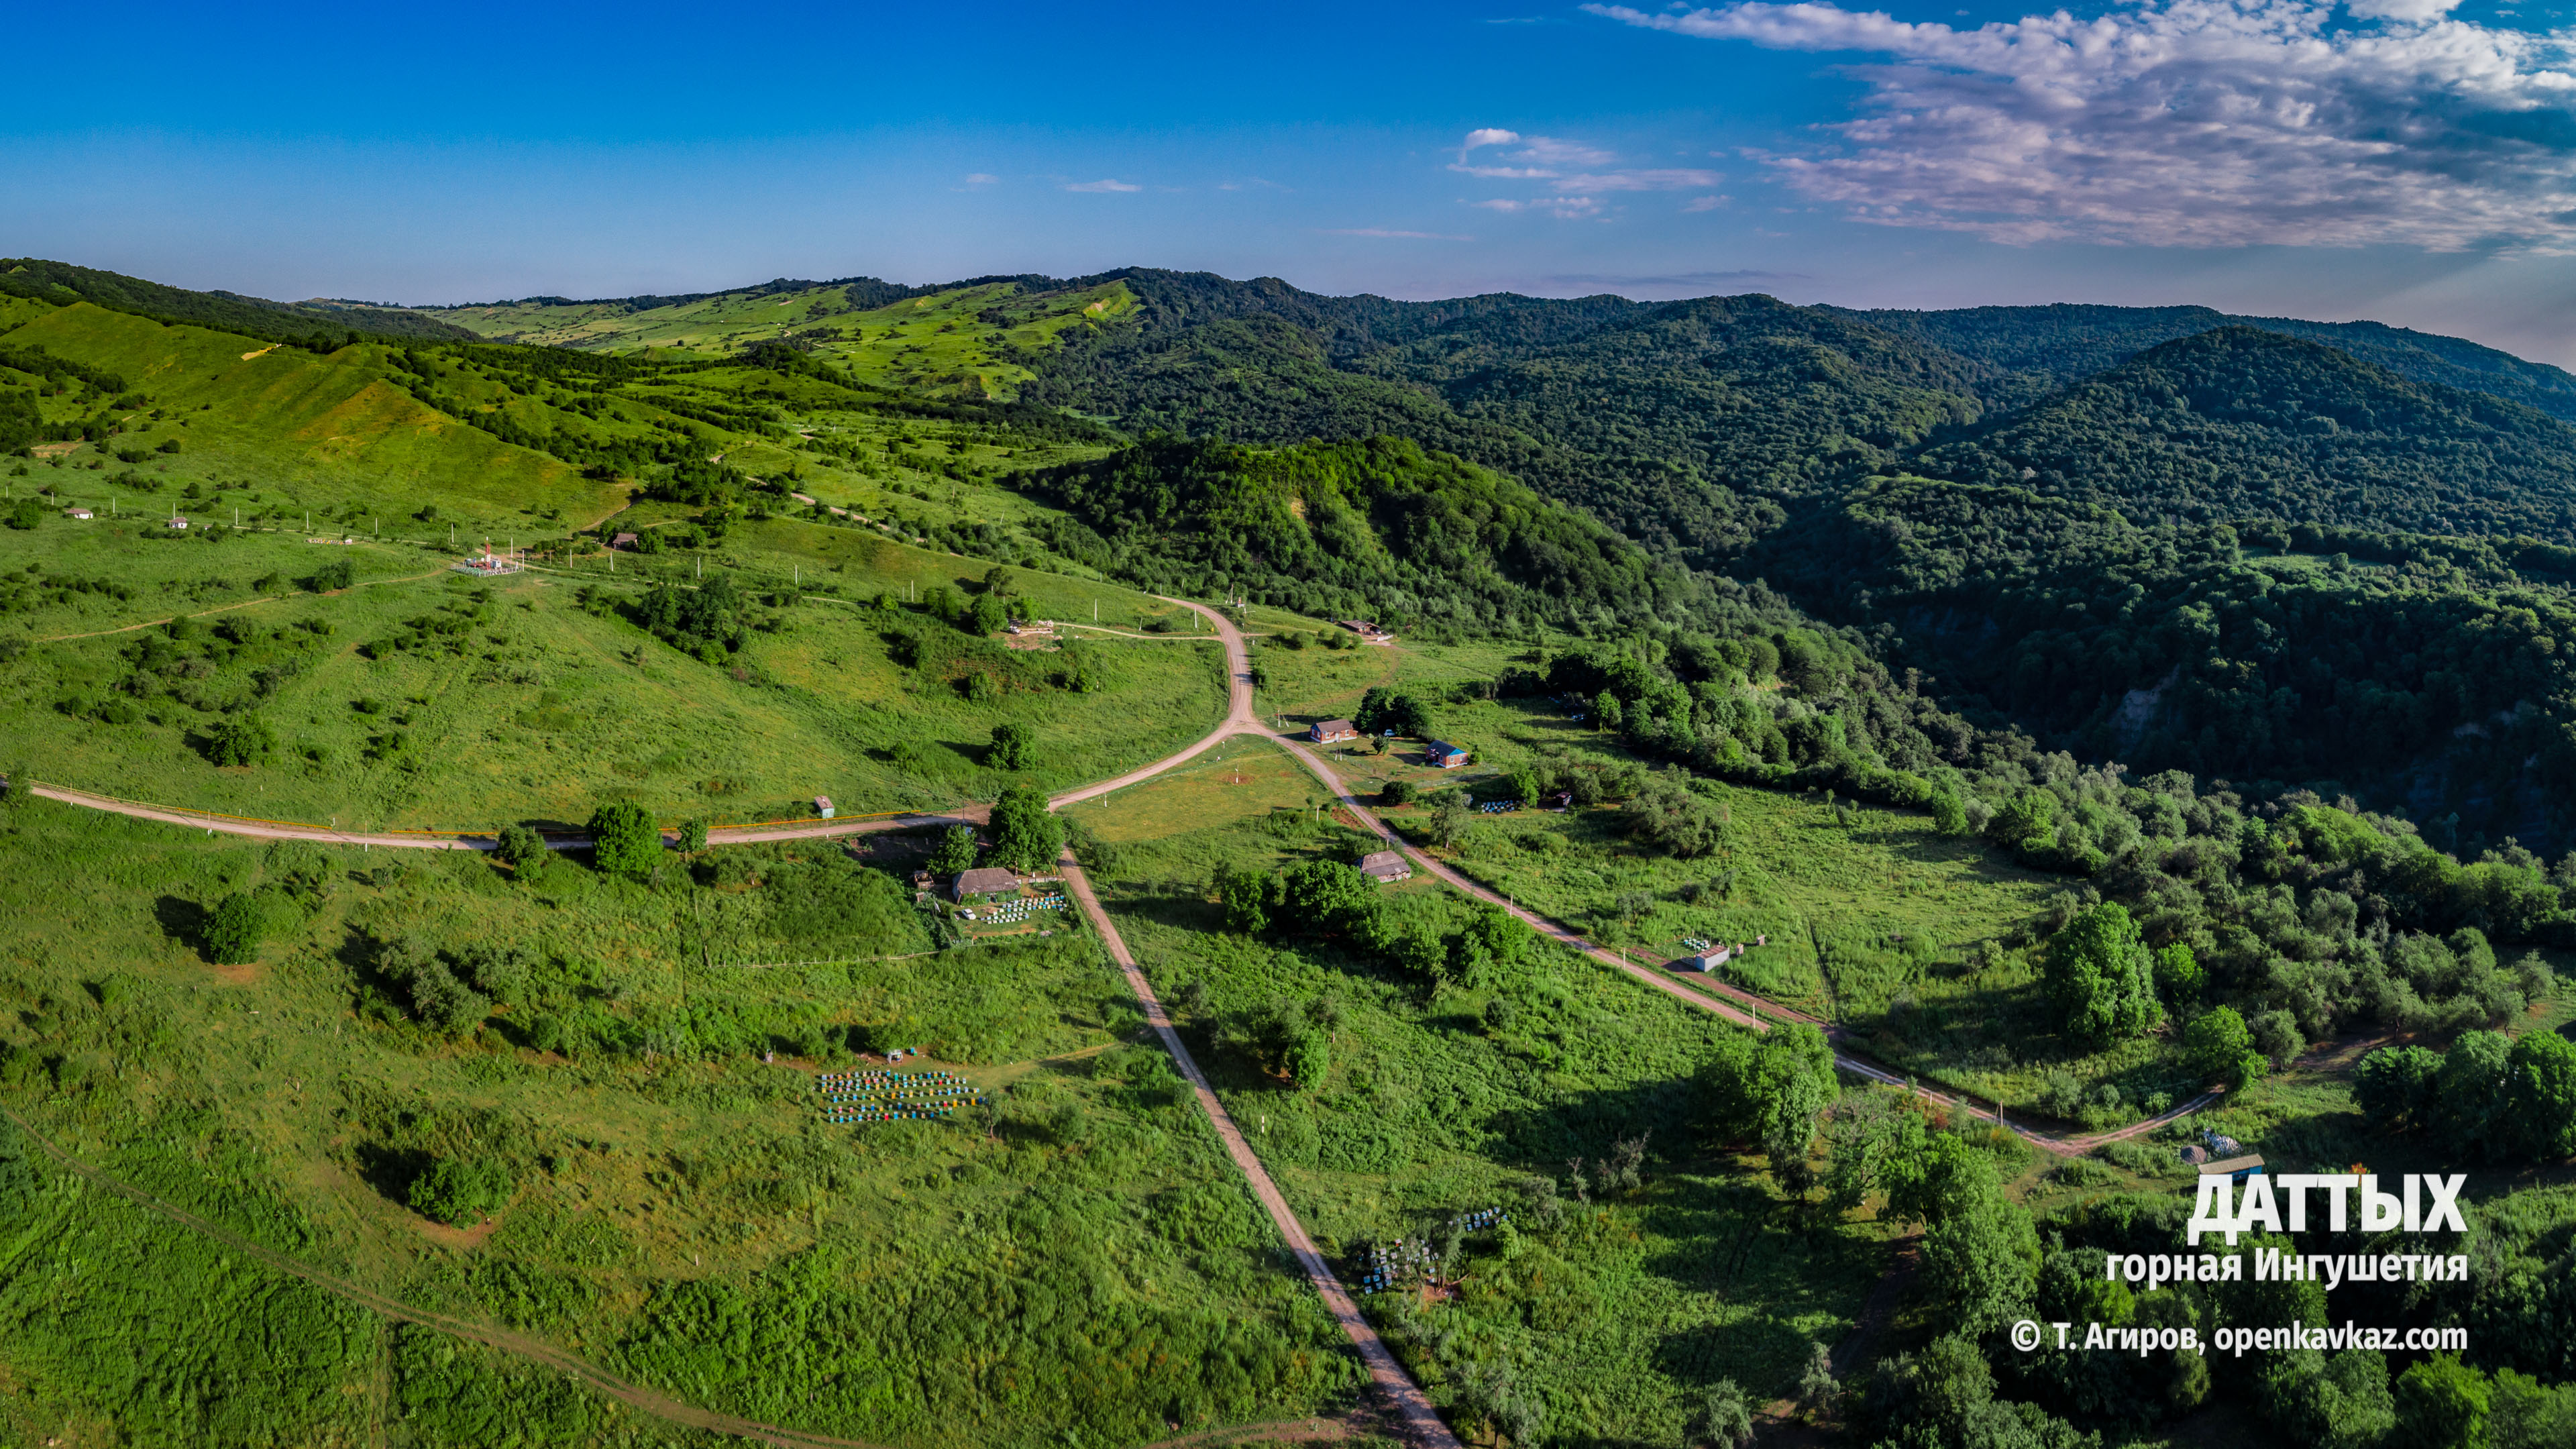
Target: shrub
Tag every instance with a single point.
(339, 573)
(233, 931)
(522, 849)
(461, 1190)
(693, 836)
(243, 741)
(1396, 792)
(1013, 744)
(500, 972)
(624, 839)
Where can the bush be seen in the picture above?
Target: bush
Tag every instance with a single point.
(339, 573)
(624, 839)
(693, 836)
(1013, 745)
(233, 931)
(244, 741)
(522, 849)
(461, 1191)
(1396, 792)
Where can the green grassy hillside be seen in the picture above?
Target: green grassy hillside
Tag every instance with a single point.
(302, 430)
(424, 699)
(1076, 1255)
(972, 341)
(62, 282)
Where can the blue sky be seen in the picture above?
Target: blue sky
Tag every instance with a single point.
(2395, 159)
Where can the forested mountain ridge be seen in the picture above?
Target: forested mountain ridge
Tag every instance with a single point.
(2032, 351)
(2239, 423)
(2416, 673)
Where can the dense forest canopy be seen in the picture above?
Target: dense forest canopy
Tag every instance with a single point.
(2240, 423)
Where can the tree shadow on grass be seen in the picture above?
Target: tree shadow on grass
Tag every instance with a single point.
(389, 1170)
(183, 921)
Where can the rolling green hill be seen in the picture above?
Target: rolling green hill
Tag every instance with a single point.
(61, 282)
(973, 340)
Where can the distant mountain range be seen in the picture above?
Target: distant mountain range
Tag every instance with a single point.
(2281, 551)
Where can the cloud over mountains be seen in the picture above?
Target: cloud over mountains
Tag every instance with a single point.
(2189, 123)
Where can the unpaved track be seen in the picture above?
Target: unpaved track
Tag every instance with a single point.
(537, 1350)
(1421, 1421)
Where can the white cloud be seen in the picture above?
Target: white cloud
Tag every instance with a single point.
(1706, 203)
(1104, 184)
(2189, 123)
(978, 178)
(2415, 10)
(1546, 159)
(1664, 180)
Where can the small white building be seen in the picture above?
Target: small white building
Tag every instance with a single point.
(80, 513)
(179, 521)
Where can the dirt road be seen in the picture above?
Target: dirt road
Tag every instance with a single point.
(1411, 1406)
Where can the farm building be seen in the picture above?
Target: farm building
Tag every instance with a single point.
(178, 521)
(78, 513)
(988, 881)
(2234, 1169)
(1442, 755)
(823, 806)
(1385, 865)
(1333, 731)
(623, 540)
(1704, 961)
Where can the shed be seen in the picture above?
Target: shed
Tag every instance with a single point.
(623, 540)
(1704, 961)
(1443, 755)
(990, 880)
(178, 521)
(2234, 1169)
(1385, 865)
(823, 806)
(78, 513)
(1333, 731)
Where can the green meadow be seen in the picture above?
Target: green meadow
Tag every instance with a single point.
(424, 699)
(667, 1201)
(1615, 1312)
